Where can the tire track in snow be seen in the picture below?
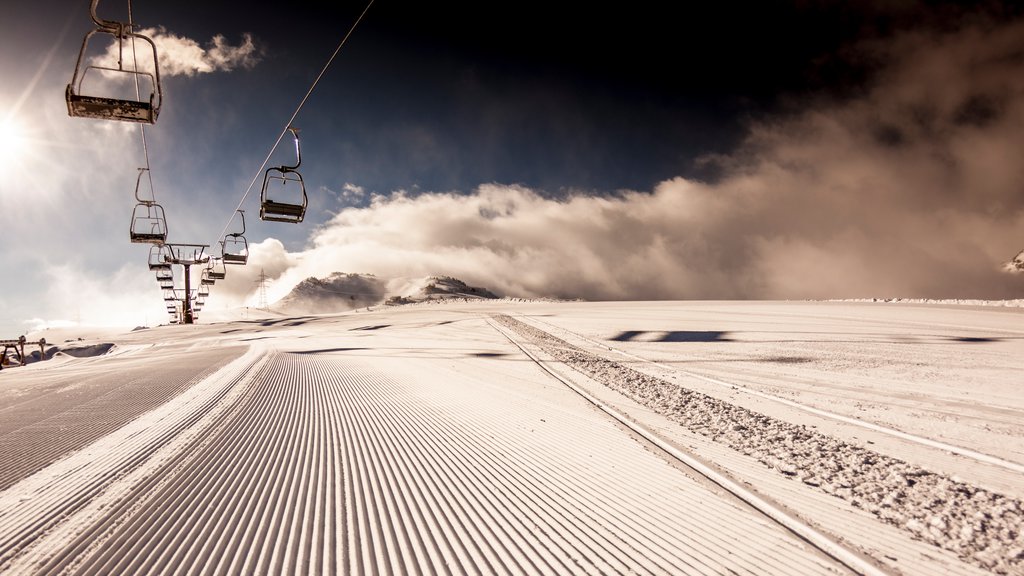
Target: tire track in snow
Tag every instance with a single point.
(325, 466)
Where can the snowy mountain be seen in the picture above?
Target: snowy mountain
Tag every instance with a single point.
(340, 292)
(435, 288)
(336, 293)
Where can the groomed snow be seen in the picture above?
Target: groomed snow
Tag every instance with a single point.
(527, 437)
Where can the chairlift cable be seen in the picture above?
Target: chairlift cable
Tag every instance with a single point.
(138, 95)
(288, 125)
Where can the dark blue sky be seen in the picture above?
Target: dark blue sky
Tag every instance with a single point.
(446, 97)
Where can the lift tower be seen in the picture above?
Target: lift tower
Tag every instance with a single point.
(187, 255)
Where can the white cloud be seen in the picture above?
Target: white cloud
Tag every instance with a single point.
(912, 189)
(129, 297)
(182, 56)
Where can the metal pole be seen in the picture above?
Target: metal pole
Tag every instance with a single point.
(186, 305)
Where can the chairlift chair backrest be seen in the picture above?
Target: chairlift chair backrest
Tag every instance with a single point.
(284, 182)
(111, 108)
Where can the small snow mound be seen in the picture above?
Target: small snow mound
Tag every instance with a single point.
(88, 351)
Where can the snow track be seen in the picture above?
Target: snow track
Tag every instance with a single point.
(33, 509)
(326, 465)
(969, 521)
(53, 414)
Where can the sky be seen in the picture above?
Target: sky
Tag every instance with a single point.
(740, 150)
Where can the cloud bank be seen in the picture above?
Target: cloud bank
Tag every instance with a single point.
(914, 188)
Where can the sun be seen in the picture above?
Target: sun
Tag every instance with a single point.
(12, 142)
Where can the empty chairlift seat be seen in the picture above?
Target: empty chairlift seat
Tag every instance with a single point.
(125, 76)
(149, 224)
(205, 280)
(159, 257)
(216, 270)
(284, 193)
(234, 247)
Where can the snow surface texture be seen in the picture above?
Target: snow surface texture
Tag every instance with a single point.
(972, 522)
(456, 438)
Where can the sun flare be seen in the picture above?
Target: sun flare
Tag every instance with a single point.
(12, 142)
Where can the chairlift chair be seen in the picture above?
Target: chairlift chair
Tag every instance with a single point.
(169, 295)
(204, 290)
(205, 280)
(215, 272)
(159, 257)
(234, 248)
(280, 182)
(167, 284)
(111, 108)
(149, 225)
(165, 274)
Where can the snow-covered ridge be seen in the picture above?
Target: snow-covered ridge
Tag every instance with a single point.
(341, 291)
(1015, 303)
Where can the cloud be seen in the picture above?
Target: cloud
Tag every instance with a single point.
(79, 297)
(913, 188)
(181, 56)
(241, 285)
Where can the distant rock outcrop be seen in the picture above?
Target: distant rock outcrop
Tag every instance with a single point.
(336, 293)
(439, 288)
(341, 292)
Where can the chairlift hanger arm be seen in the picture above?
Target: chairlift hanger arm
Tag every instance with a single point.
(298, 152)
(105, 25)
(138, 184)
(242, 233)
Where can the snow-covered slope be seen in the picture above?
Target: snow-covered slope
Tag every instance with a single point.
(491, 436)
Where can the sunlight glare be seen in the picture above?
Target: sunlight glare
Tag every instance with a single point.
(12, 142)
